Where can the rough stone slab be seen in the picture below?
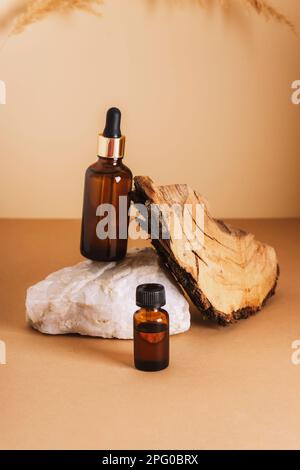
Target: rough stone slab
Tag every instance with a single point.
(98, 299)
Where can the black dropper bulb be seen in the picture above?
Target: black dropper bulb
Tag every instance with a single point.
(113, 123)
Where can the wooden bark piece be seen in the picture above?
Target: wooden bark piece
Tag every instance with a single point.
(230, 276)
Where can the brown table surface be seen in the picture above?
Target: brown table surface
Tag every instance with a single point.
(228, 388)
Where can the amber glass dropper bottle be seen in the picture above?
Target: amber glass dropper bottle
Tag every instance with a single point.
(151, 328)
(105, 181)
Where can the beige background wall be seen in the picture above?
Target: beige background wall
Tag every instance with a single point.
(205, 98)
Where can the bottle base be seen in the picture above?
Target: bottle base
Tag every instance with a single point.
(151, 366)
(94, 257)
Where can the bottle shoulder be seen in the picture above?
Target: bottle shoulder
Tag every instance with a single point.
(109, 167)
(146, 315)
(127, 170)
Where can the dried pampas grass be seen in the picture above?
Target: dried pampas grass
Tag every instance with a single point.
(261, 7)
(35, 10)
(264, 8)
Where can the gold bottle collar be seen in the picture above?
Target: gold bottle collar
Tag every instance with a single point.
(109, 147)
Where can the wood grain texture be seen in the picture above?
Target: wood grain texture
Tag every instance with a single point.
(230, 275)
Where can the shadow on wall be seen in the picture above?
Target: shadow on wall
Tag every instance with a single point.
(234, 15)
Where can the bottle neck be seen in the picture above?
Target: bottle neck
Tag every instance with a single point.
(109, 162)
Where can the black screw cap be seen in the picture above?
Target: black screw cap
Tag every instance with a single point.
(150, 295)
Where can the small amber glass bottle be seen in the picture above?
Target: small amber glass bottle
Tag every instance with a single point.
(107, 186)
(151, 328)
